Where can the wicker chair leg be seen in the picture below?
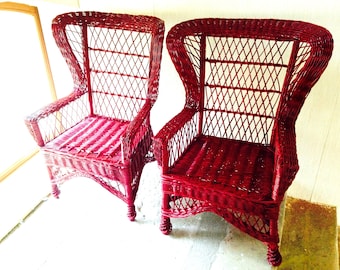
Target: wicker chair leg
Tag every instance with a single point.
(165, 226)
(55, 191)
(131, 212)
(273, 255)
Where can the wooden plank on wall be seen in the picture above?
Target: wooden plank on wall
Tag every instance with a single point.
(327, 187)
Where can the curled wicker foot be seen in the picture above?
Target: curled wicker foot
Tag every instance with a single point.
(131, 213)
(165, 226)
(274, 256)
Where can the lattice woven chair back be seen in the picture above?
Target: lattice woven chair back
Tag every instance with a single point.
(111, 59)
(102, 129)
(244, 80)
(240, 75)
(232, 149)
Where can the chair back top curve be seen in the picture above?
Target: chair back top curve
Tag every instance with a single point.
(114, 58)
(244, 75)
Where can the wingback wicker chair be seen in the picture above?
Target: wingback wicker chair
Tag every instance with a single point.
(102, 129)
(232, 149)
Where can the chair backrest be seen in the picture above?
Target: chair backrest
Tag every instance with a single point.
(114, 58)
(242, 75)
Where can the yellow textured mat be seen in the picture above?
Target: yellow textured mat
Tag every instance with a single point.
(309, 236)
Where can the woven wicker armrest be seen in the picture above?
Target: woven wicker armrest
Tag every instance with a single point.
(50, 121)
(286, 161)
(136, 131)
(175, 137)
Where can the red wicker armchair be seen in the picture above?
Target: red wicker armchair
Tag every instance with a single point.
(102, 129)
(232, 148)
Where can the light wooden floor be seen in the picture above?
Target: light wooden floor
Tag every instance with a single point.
(87, 228)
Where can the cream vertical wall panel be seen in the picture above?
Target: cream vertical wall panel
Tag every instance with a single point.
(328, 178)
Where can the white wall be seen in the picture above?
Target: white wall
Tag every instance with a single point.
(319, 123)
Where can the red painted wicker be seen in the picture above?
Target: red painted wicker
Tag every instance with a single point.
(232, 148)
(102, 129)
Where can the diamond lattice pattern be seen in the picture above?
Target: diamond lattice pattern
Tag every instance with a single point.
(244, 79)
(119, 63)
(74, 37)
(243, 84)
(69, 115)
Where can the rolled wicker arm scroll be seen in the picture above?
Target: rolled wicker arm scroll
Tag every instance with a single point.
(53, 119)
(175, 137)
(286, 161)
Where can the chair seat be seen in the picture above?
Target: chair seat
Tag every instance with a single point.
(94, 138)
(241, 168)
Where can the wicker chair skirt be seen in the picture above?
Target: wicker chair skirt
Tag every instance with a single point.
(230, 178)
(252, 217)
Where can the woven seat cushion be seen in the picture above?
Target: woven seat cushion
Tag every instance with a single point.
(241, 168)
(95, 137)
